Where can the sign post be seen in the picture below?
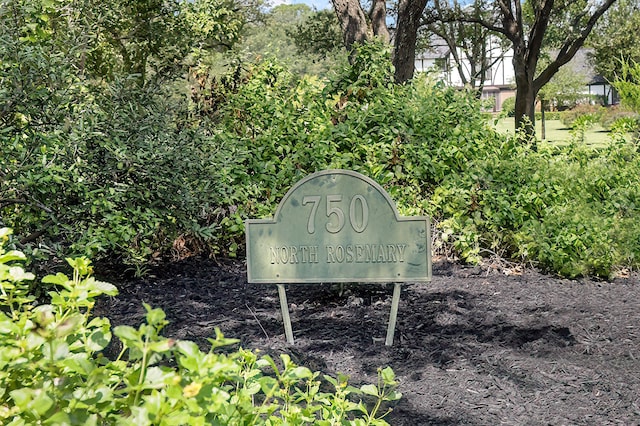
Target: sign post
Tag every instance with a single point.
(338, 226)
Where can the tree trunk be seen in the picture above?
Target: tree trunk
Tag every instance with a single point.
(378, 17)
(525, 109)
(353, 22)
(409, 13)
(525, 93)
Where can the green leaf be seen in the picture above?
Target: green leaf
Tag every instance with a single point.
(56, 350)
(369, 390)
(189, 348)
(388, 376)
(59, 419)
(268, 384)
(161, 346)
(78, 363)
(192, 357)
(81, 264)
(31, 400)
(22, 397)
(331, 380)
(393, 396)
(68, 326)
(155, 377)
(154, 316)
(58, 278)
(98, 340)
(253, 388)
(106, 288)
(16, 273)
(299, 373)
(125, 332)
(11, 256)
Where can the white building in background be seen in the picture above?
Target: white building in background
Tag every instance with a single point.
(500, 77)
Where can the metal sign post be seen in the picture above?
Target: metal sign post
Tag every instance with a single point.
(338, 226)
(393, 316)
(286, 319)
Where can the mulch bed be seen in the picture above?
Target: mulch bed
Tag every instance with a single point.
(473, 347)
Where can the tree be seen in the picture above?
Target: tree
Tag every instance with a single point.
(529, 27)
(358, 27)
(319, 33)
(474, 49)
(307, 41)
(409, 13)
(137, 37)
(353, 22)
(616, 37)
(565, 89)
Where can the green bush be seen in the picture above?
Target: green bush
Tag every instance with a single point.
(627, 85)
(618, 117)
(508, 107)
(133, 173)
(122, 180)
(407, 138)
(52, 370)
(563, 210)
(582, 114)
(630, 124)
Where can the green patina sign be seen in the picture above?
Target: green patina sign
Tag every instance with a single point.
(338, 226)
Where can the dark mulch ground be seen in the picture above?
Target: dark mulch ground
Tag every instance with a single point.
(473, 347)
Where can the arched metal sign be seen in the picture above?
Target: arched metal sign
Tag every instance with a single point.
(337, 226)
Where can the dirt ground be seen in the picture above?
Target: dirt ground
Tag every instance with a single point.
(476, 346)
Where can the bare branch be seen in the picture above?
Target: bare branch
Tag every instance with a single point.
(34, 236)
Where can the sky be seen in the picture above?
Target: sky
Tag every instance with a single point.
(318, 4)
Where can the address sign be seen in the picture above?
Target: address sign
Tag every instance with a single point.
(337, 226)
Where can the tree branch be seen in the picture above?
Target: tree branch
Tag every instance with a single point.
(537, 32)
(35, 235)
(8, 201)
(446, 15)
(570, 47)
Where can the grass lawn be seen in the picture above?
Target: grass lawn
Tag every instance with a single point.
(558, 133)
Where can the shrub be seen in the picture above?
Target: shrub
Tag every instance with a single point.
(616, 116)
(582, 114)
(122, 180)
(561, 209)
(52, 370)
(628, 85)
(407, 138)
(138, 172)
(508, 107)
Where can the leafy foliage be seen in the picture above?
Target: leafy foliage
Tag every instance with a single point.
(116, 170)
(101, 166)
(628, 85)
(120, 178)
(509, 107)
(320, 33)
(562, 209)
(565, 89)
(53, 371)
(615, 38)
(581, 114)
